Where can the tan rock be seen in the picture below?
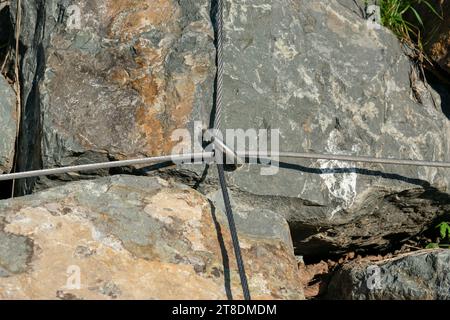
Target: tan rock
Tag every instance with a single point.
(129, 237)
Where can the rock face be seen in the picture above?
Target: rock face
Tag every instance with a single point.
(331, 84)
(8, 125)
(134, 71)
(132, 237)
(418, 276)
(117, 84)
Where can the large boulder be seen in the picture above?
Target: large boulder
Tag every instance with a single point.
(423, 275)
(115, 83)
(132, 237)
(436, 32)
(332, 83)
(8, 125)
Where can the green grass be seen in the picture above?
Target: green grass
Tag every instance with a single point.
(395, 14)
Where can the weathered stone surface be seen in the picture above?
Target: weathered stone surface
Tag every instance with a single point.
(331, 84)
(8, 125)
(136, 237)
(422, 275)
(118, 86)
(313, 69)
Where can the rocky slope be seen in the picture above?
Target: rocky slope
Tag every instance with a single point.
(123, 82)
(135, 238)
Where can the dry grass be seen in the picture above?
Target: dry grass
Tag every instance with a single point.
(396, 15)
(17, 83)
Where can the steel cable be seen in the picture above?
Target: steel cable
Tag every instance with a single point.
(220, 166)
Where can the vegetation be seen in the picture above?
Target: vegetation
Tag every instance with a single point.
(443, 240)
(405, 21)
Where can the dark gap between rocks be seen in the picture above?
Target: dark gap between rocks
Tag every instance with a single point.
(315, 251)
(6, 45)
(398, 243)
(5, 190)
(442, 88)
(28, 155)
(6, 40)
(28, 148)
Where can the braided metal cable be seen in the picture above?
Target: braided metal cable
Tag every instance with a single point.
(202, 156)
(233, 232)
(274, 157)
(220, 67)
(220, 166)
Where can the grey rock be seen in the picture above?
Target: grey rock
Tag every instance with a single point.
(14, 261)
(8, 125)
(422, 275)
(315, 70)
(332, 84)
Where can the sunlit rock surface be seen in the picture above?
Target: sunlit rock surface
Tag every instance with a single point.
(126, 237)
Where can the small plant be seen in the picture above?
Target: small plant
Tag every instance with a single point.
(443, 240)
(396, 15)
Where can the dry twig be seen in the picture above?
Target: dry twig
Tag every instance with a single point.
(17, 85)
